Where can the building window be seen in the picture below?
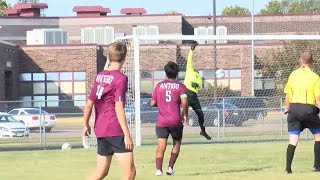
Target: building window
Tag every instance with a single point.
(159, 75)
(66, 76)
(26, 101)
(25, 77)
(53, 89)
(264, 82)
(80, 100)
(38, 76)
(52, 101)
(231, 80)
(52, 76)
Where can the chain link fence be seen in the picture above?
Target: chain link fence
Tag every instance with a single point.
(48, 128)
(38, 127)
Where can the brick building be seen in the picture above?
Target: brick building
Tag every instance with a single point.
(65, 72)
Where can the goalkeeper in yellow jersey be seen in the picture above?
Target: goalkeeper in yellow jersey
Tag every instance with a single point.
(193, 82)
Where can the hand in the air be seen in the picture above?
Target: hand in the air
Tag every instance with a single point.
(194, 45)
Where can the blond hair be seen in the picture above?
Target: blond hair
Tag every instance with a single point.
(117, 52)
(306, 58)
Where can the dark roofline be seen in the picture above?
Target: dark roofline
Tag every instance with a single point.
(70, 17)
(30, 6)
(256, 15)
(89, 9)
(58, 45)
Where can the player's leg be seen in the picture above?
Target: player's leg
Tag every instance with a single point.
(316, 150)
(162, 134)
(294, 128)
(176, 133)
(198, 110)
(103, 160)
(102, 169)
(126, 162)
(314, 126)
(195, 104)
(124, 156)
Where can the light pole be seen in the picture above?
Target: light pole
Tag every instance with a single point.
(252, 50)
(214, 50)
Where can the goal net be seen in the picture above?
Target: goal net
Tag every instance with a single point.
(243, 80)
(131, 69)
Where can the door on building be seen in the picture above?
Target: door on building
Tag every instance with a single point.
(8, 85)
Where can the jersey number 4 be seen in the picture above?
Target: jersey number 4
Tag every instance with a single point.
(99, 92)
(168, 96)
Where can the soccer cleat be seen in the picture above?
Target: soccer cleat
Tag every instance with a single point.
(158, 173)
(288, 171)
(316, 169)
(203, 133)
(170, 171)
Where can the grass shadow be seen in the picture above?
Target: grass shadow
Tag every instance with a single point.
(231, 171)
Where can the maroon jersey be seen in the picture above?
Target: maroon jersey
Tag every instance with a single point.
(168, 94)
(108, 88)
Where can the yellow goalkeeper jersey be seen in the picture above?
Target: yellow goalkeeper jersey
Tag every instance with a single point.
(192, 80)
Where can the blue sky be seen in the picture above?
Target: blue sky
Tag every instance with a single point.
(187, 7)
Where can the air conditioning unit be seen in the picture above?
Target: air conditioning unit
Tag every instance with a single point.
(47, 36)
(201, 31)
(97, 35)
(207, 31)
(146, 31)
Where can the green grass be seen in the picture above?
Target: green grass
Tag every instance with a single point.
(212, 161)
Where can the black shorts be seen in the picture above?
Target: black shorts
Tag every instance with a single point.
(193, 100)
(303, 116)
(107, 146)
(175, 132)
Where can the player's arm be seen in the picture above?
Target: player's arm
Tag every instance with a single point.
(119, 94)
(288, 91)
(189, 67)
(184, 104)
(153, 102)
(88, 110)
(119, 106)
(317, 92)
(185, 108)
(86, 118)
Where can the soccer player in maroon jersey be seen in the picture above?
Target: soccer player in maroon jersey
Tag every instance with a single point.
(108, 98)
(169, 95)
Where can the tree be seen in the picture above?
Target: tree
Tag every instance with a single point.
(27, 1)
(278, 63)
(3, 5)
(235, 10)
(172, 12)
(291, 7)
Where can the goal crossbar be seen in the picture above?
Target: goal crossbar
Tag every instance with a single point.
(224, 37)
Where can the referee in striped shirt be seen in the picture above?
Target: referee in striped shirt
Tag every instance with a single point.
(303, 102)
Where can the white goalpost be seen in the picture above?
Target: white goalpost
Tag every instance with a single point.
(238, 119)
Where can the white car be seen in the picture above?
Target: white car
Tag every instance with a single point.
(31, 118)
(10, 127)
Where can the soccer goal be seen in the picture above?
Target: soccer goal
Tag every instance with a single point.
(243, 81)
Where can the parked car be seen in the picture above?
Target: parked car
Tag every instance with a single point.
(10, 127)
(253, 107)
(31, 118)
(215, 112)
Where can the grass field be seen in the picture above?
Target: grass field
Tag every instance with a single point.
(213, 161)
